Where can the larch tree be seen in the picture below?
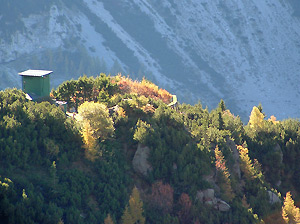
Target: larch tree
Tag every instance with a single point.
(133, 213)
(108, 220)
(256, 120)
(250, 170)
(223, 174)
(290, 213)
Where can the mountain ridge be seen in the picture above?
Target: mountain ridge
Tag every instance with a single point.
(244, 53)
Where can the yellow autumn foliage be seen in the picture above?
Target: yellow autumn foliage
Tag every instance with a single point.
(256, 120)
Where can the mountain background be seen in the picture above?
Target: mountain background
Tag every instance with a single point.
(243, 52)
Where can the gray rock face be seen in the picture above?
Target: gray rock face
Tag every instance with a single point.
(207, 197)
(200, 196)
(209, 194)
(140, 160)
(273, 198)
(222, 206)
(277, 149)
(211, 178)
(236, 167)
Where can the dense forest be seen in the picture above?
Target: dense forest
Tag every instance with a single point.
(124, 153)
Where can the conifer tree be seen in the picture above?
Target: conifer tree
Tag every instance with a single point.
(220, 121)
(53, 173)
(256, 120)
(290, 213)
(108, 220)
(134, 210)
(127, 218)
(250, 171)
(222, 106)
(260, 108)
(224, 175)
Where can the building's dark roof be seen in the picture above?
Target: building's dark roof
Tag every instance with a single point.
(36, 73)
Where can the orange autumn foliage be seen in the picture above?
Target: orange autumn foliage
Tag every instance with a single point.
(224, 175)
(162, 197)
(185, 204)
(143, 88)
(273, 119)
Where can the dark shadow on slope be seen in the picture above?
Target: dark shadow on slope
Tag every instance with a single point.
(141, 28)
(296, 6)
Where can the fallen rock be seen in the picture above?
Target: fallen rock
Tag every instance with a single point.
(273, 198)
(211, 178)
(174, 166)
(208, 194)
(140, 160)
(207, 197)
(222, 206)
(200, 196)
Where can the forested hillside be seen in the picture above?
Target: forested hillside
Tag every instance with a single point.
(128, 155)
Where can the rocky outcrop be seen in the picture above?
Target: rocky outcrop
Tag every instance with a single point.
(235, 154)
(211, 179)
(277, 149)
(140, 160)
(207, 197)
(273, 198)
(222, 206)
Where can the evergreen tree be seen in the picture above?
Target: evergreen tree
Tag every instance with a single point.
(290, 213)
(224, 175)
(220, 121)
(53, 173)
(222, 106)
(116, 68)
(250, 171)
(127, 218)
(133, 213)
(256, 120)
(108, 220)
(260, 108)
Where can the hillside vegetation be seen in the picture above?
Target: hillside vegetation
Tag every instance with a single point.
(124, 156)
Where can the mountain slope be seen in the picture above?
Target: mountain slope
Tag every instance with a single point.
(243, 52)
